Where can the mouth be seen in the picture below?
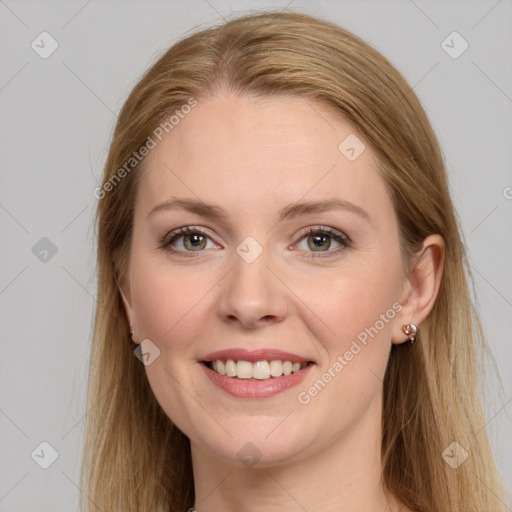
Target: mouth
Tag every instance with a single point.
(255, 379)
(256, 370)
(260, 373)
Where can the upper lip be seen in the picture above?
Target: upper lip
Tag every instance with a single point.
(263, 354)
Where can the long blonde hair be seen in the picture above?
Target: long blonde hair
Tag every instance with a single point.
(135, 459)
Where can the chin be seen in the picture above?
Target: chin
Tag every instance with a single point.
(255, 445)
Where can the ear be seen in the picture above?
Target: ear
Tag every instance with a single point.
(124, 289)
(420, 287)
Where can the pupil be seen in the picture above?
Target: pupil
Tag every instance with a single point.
(195, 241)
(319, 242)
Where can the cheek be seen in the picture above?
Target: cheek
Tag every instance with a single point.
(365, 307)
(357, 306)
(167, 301)
(359, 314)
(355, 299)
(171, 307)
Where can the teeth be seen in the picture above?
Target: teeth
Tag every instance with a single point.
(244, 370)
(220, 367)
(276, 368)
(230, 368)
(260, 370)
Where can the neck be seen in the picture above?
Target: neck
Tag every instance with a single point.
(345, 475)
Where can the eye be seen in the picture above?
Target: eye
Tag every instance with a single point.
(187, 239)
(323, 240)
(318, 240)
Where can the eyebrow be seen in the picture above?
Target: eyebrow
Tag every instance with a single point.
(290, 211)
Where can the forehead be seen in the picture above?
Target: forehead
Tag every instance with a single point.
(248, 152)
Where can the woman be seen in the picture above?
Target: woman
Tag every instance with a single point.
(277, 238)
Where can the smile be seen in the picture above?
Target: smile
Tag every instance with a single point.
(260, 370)
(258, 379)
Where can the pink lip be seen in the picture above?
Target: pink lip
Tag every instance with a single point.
(253, 388)
(240, 354)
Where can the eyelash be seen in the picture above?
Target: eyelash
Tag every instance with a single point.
(344, 240)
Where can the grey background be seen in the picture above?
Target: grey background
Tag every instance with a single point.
(57, 117)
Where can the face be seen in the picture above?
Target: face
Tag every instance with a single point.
(257, 234)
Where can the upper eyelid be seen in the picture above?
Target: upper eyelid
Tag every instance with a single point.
(180, 232)
(323, 229)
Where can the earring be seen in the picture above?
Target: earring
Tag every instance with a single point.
(411, 330)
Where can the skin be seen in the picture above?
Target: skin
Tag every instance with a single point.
(253, 157)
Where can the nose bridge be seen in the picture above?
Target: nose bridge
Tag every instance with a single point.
(252, 293)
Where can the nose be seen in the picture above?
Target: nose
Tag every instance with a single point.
(251, 295)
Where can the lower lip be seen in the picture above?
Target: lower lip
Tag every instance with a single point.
(255, 388)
